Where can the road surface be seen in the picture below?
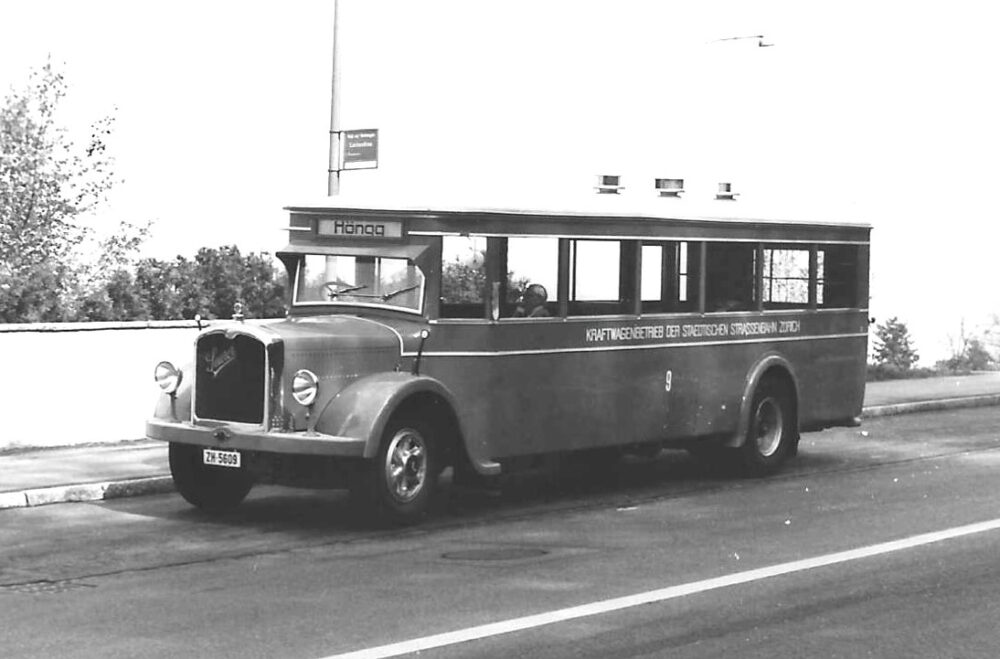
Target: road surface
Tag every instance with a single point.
(875, 541)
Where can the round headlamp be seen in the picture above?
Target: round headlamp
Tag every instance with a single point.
(168, 377)
(305, 386)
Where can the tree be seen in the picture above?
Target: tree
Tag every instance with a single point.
(978, 357)
(463, 281)
(47, 184)
(263, 292)
(219, 273)
(970, 352)
(893, 346)
(30, 295)
(208, 286)
(225, 277)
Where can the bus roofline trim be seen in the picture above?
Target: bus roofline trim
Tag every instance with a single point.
(658, 238)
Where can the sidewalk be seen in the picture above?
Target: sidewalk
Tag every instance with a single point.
(83, 473)
(34, 477)
(926, 394)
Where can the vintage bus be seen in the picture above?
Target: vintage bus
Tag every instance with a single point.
(488, 339)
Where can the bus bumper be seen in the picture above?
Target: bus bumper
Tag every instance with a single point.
(236, 438)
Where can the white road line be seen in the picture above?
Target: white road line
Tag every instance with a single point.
(661, 595)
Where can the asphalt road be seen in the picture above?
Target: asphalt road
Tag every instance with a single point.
(876, 541)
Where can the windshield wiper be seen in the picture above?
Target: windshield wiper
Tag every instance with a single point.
(342, 291)
(392, 294)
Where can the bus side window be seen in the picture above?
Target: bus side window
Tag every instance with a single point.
(729, 276)
(653, 278)
(594, 278)
(463, 276)
(531, 261)
(785, 280)
(669, 279)
(837, 276)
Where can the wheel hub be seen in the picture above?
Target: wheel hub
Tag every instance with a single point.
(768, 427)
(406, 465)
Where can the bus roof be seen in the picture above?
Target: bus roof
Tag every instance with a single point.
(592, 206)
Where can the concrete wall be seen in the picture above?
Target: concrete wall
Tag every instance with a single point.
(76, 383)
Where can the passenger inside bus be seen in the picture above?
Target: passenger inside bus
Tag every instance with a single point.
(532, 303)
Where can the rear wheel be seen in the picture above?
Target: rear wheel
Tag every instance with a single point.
(397, 486)
(209, 488)
(771, 433)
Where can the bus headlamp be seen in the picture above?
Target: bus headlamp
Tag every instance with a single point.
(168, 377)
(305, 386)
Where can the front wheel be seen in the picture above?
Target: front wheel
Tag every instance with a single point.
(210, 488)
(397, 486)
(771, 433)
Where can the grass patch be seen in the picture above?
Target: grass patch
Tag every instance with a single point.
(881, 372)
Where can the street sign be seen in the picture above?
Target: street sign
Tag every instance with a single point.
(360, 149)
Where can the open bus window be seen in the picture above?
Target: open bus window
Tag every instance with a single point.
(651, 278)
(368, 280)
(463, 276)
(786, 278)
(532, 261)
(594, 278)
(668, 278)
(729, 276)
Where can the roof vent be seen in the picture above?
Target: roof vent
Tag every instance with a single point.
(670, 187)
(726, 192)
(607, 184)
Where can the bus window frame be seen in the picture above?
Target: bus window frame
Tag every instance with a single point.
(671, 274)
(630, 299)
(627, 282)
(497, 281)
(810, 278)
(439, 284)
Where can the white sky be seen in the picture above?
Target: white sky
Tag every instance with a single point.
(884, 112)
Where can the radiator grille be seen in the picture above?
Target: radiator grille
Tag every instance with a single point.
(231, 377)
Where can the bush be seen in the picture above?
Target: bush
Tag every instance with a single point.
(973, 356)
(880, 372)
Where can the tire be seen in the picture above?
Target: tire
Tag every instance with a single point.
(214, 489)
(398, 485)
(771, 432)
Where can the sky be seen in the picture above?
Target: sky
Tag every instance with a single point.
(881, 112)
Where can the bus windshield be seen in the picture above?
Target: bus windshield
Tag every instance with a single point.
(369, 280)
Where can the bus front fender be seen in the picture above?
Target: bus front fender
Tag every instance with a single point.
(363, 408)
(771, 365)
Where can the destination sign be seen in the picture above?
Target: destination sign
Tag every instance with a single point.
(347, 227)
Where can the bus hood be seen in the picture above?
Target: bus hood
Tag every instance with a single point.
(341, 334)
(338, 350)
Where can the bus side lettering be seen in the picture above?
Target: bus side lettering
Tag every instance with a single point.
(694, 330)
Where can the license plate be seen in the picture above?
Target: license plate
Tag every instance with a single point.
(216, 458)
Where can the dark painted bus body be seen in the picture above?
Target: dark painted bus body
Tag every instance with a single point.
(404, 351)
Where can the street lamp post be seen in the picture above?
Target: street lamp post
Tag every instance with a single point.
(333, 168)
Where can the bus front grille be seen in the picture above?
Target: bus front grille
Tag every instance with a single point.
(231, 378)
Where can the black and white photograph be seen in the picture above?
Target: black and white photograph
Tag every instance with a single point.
(544, 329)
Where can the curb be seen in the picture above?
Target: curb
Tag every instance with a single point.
(930, 405)
(86, 492)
